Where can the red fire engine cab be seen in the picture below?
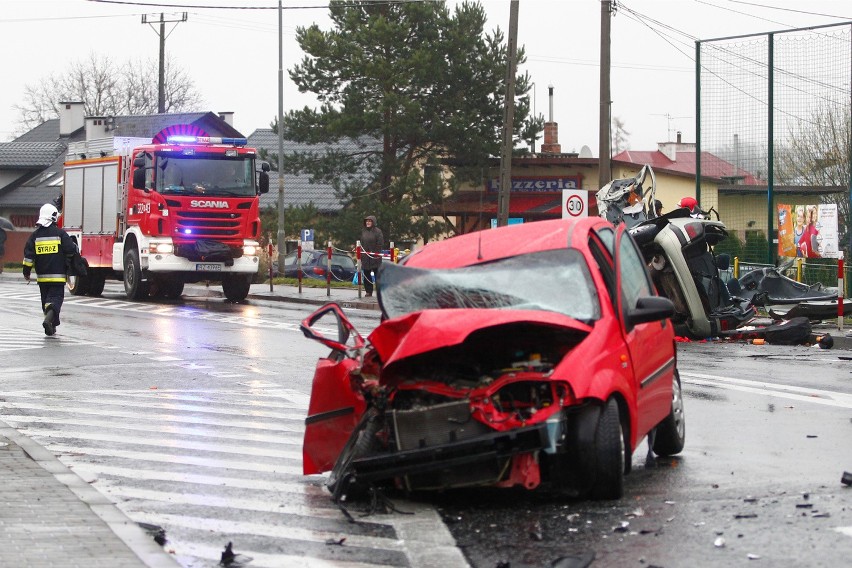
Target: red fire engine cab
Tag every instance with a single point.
(164, 212)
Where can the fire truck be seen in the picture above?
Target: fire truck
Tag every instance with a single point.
(159, 213)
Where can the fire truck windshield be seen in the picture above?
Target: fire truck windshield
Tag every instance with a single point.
(205, 174)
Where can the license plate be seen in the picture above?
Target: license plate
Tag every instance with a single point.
(209, 267)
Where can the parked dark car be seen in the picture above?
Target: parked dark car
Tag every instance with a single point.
(315, 265)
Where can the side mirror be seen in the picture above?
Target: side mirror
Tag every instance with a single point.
(139, 161)
(139, 177)
(263, 182)
(331, 316)
(723, 261)
(264, 166)
(650, 308)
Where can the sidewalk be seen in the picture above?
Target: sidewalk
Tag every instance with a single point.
(347, 297)
(51, 517)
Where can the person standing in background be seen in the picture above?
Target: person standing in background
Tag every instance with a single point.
(372, 243)
(47, 250)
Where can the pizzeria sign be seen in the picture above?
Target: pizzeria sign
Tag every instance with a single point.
(539, 184)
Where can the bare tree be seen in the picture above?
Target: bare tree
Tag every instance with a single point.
(107, 89)
(818, 154)
(619, 136)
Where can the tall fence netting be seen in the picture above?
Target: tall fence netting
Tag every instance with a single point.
(801, 150)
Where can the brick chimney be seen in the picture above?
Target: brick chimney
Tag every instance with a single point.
(551, 139)
(71, 117)
(551, 130)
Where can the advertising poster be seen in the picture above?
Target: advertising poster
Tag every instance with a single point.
(808, 231)
(828, 234)
(786, 245)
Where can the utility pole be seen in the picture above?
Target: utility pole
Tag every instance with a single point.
(161, 85)
(604, 166)
(282, 234)
(508, 119)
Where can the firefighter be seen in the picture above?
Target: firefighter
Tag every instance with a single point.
(47, 250)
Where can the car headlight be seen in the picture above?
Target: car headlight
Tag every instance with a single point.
(249, 250)
(161, 248)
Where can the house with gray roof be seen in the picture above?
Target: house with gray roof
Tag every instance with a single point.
(31, 166)
(299, 189)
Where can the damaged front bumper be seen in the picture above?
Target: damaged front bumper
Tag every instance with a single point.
(484, 459)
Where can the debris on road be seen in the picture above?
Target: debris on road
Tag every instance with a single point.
(233, 560)
(581, 560)
(846, 479)
(536, 532)
(719, 542)
(157, 532)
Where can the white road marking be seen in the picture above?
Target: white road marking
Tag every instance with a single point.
(91, 470)
(801, 394)
(187, 408)
(267, 530)
(285, 438)
(135, 440)
(235, 464)
(265, 560)
(146, 417)
(206, 500)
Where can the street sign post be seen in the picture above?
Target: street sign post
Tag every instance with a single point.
(575, 204)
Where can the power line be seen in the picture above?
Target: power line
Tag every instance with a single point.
(756, 17)
(204, 7)
(63, 18)
(789, 9)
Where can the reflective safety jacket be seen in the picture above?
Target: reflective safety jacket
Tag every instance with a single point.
(46, 251)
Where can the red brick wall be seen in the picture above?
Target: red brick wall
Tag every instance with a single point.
(15, 241)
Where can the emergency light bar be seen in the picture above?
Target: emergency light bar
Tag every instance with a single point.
(183, 139)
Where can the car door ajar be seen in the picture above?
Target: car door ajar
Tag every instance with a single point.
(651, 344)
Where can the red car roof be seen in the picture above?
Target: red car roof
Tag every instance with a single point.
(512, 240)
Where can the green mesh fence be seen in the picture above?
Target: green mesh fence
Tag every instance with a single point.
(798, 155)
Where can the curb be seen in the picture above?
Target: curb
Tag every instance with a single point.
(132, 535)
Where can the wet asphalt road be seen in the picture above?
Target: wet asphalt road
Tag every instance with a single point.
(768, 439)
(768, 432)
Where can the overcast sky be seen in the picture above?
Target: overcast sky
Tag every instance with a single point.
(232, 55)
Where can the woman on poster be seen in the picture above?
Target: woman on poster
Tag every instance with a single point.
(799, 229)
(808, 246)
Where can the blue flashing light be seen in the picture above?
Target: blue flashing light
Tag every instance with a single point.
(187, 231)
(183, 139)
(180, 139)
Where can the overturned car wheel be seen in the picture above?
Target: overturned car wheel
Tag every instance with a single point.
(609, 455)
(671, 432)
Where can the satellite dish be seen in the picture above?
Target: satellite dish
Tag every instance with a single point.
(585, 152)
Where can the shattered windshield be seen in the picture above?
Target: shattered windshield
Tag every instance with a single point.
(554, 281)
(213, 175)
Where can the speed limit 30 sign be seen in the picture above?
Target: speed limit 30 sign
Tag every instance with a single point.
(575, 204)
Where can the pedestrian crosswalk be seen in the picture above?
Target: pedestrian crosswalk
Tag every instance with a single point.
(161, 310)
(219, 466)
(21, 340)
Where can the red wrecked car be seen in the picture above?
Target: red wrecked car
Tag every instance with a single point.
(533, 355)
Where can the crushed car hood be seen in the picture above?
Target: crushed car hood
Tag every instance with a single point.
(428, 330)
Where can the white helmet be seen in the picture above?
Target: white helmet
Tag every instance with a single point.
(47, 215)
